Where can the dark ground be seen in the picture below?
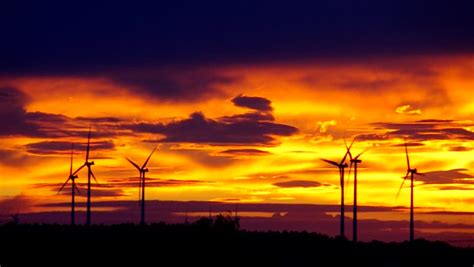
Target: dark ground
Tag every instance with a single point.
(208, 243)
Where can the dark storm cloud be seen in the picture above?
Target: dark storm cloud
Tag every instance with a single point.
(60, 147)
(372, 137)
(299, 183)
(409, 144)
(199, 129)
(246, 152)
(97, 190)
(99, 120)
(251, 116)
(454, 188)
(16, 121)
(421, 131)
(46, 117)
(242, 129)
(114, 187)
(177, 85)
(253, 102)
(13, 116)
(151, 182)
(459, 148)
(58, 37)
(239, 129)
(455, 176)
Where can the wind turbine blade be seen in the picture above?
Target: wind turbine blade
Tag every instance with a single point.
(80, 168)
(406, 152)
(77, 189)
(353, 140)
(344, 158)
(146, 162)
(348, 152)
(349, 176)
(363, 151)
(331, 162)
(88, 143)
(60, 189)
(401, 186)
(134, 164)
(93, 176)
(70, 166)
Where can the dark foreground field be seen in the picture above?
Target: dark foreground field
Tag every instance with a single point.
(208, 243)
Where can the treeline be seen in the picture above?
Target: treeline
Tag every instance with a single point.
(209, 242)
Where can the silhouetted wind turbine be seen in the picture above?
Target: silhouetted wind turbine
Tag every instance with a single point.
(341, 166)
(410, 172)
(142, 170)
(72, 177)
(354, 162)
(88, 164)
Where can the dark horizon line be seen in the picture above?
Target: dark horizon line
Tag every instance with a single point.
(265, 205)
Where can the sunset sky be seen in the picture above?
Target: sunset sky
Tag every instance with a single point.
(241, 102)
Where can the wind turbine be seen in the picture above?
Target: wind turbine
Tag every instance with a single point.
(142, 170)
(341, 166)
(72, 177)
(354, 162)
(410, 172)
(88, 164)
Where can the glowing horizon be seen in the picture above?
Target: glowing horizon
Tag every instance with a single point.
(274, 123)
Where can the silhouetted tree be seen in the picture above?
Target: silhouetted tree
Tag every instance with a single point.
(15, 219)
(204, 223)
(226, 223)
